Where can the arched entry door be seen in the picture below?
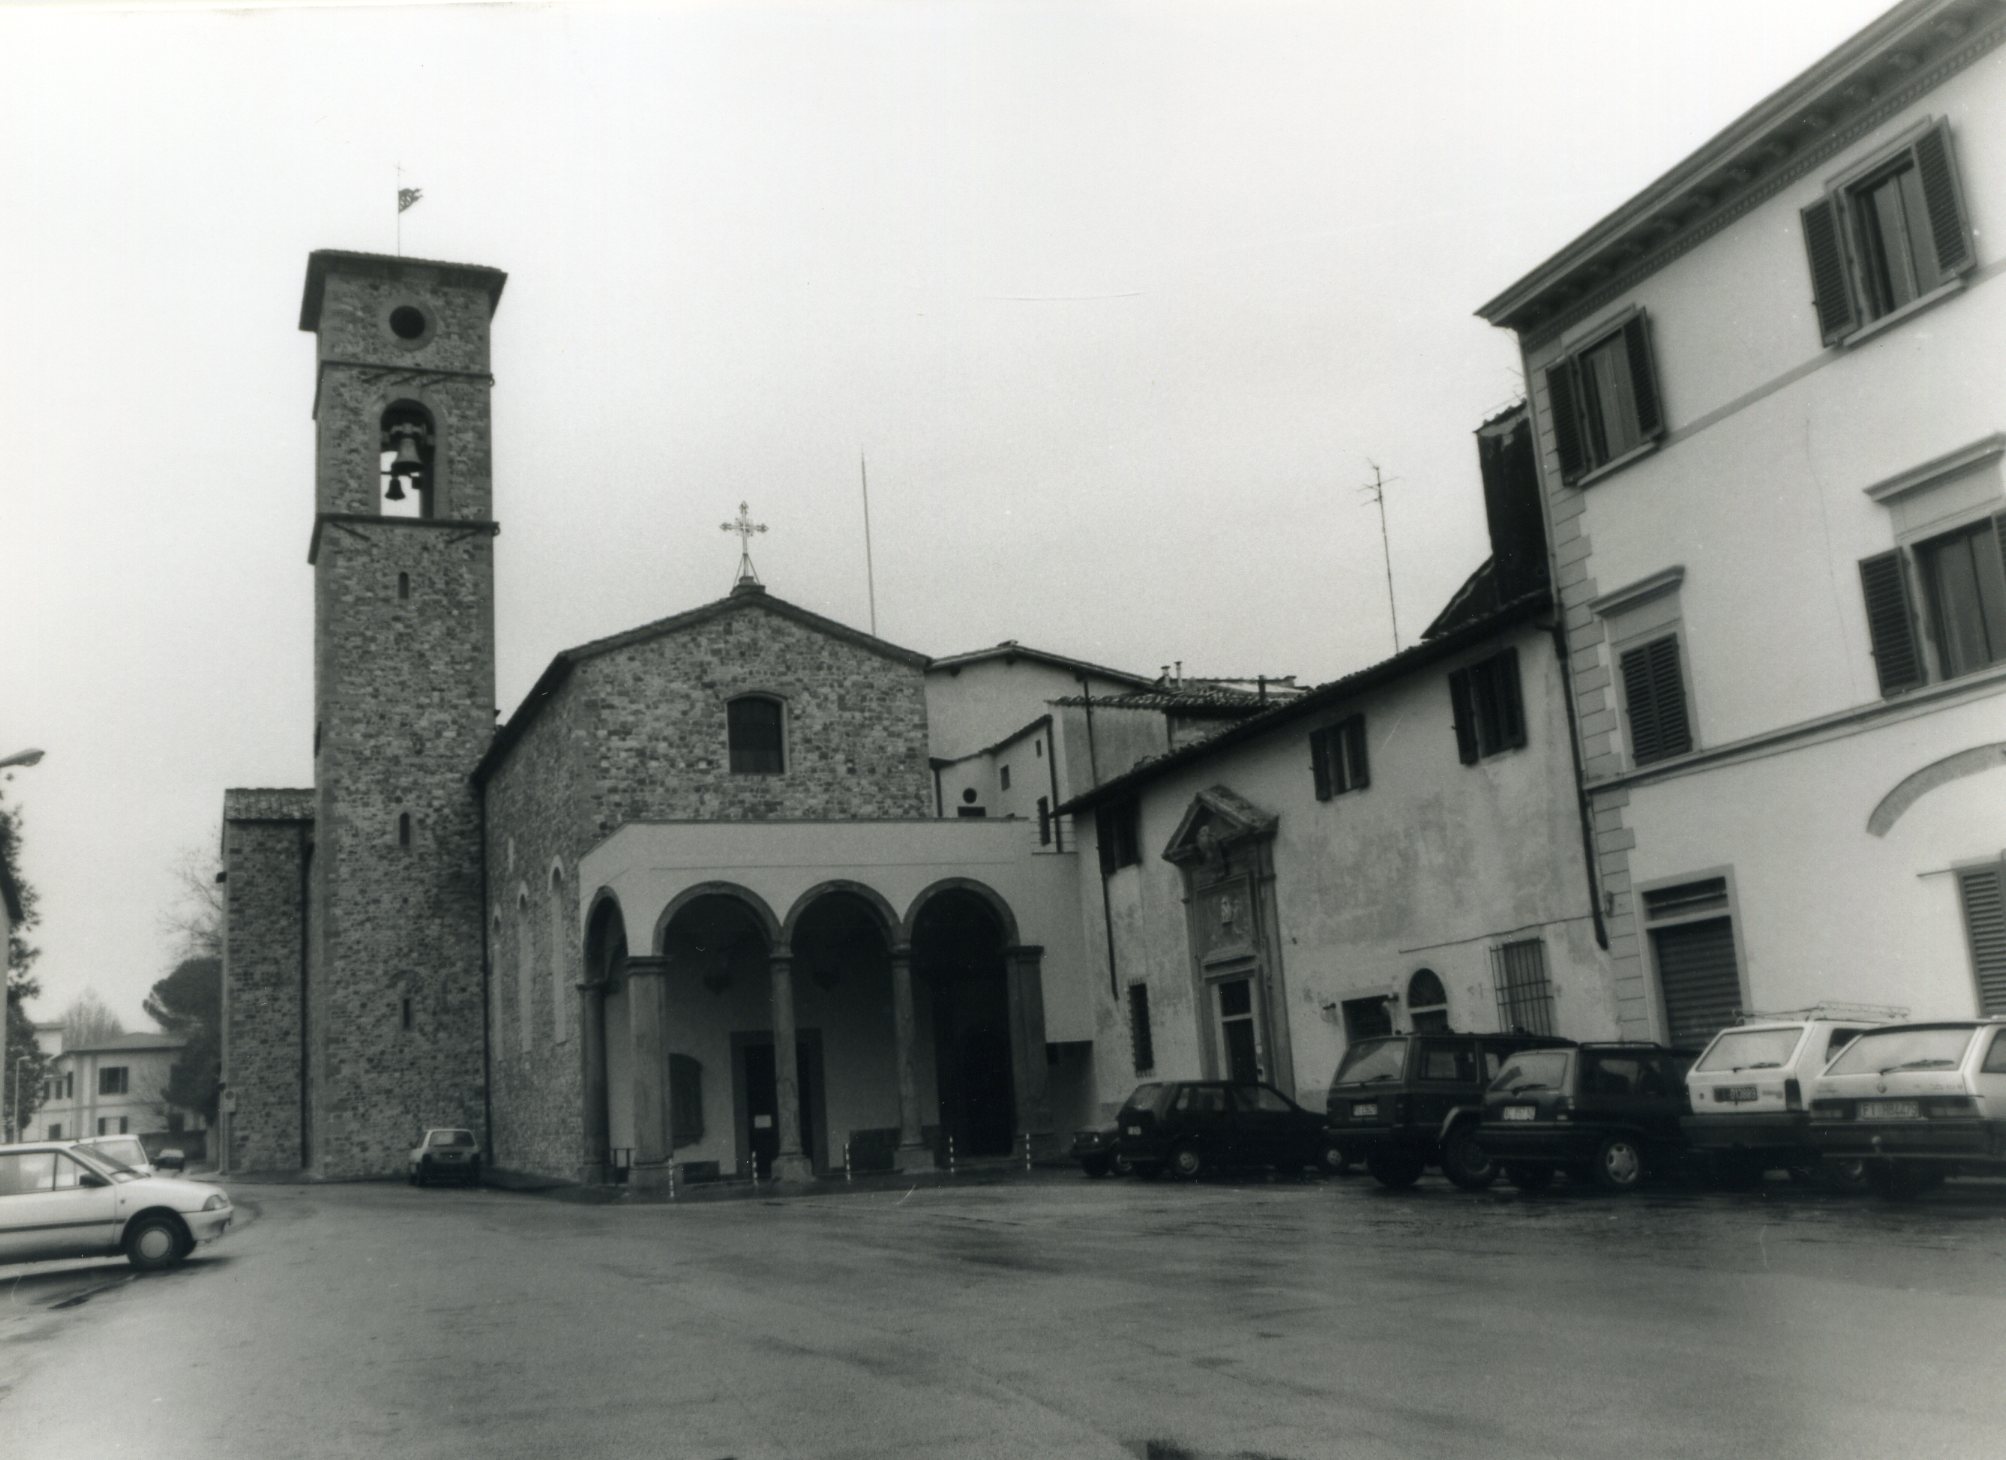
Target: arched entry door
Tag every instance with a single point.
(958, 954)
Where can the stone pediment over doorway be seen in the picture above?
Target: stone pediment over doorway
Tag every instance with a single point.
(1216, 820)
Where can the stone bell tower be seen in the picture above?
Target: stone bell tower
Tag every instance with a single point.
(403, 559)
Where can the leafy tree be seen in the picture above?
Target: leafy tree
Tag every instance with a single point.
(89, 1020)
(189, 1003)
(26, 1066)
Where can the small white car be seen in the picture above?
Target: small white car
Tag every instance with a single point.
(1748, 1089)
(445, 1152)
(131, 1154)
(60, 1199)
(1916, 1103)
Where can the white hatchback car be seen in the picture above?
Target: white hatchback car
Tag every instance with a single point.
(448, 1151)
(1917, 1103)
(60, 1199)
(1748, 1090)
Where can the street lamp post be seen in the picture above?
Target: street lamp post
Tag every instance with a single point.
(12, 1126)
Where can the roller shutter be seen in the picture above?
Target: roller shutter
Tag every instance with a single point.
(1699, 979)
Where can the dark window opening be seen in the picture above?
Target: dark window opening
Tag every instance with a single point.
(1142, 1047)
(1044, 821)
(1337, 758)
(685, 1100)
(1603, 399)
(1118, 828)
(405, 461)
(403, 828)
(1525, 996)
(1937, 610)
(1489, 713)
(754, 727)
(113, 1080)
(406, 1011)
(407, 322)
(1003, 778)
(403, 585)
(971, 812)
(1427, 1002)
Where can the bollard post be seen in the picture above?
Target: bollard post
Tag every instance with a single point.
(846, 1160)
(1027, 1150)
(950, 1155)
(672, 1180)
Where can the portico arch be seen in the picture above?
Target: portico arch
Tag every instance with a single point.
(982, 892)
(752, 902)
(888, 919)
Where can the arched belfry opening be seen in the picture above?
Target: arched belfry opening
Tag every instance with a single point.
(959, 948)
(406, 461)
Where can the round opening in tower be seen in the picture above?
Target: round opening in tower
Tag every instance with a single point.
(407, 321)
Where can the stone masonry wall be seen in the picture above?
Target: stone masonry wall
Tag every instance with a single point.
(266, 835)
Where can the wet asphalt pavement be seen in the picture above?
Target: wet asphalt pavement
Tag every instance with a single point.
(1048, 1315)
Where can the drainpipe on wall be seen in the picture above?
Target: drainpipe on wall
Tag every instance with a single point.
(487, 998)
(1581, 802)
(1107, 905)
(306, 992)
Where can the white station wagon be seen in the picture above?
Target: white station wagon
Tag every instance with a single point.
(60, 1199)
(1917, 1103)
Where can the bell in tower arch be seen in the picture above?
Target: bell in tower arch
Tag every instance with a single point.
(405, 461)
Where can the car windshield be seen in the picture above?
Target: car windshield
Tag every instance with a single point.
(1750, 1049)
(104, 1165)
(1533, 1069)
(1371, 1059)
(1879, 1051)
(452, 1138)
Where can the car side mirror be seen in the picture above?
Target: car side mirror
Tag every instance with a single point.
(171, 1161)
(91, 1178)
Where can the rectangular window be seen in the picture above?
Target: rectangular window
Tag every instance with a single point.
(1337, 758)
(1003, 778)
(55, 1130)
(753, 726)
(1603, 398)
(1118, 828)
(1888, 234)
(1525, 995)
(1044, 821)
(1142, 1049)
(1982, 890)
(1936, 609)
(104, 1125)
(1692, 944)
(1490, 716)
(121, 1125)
(1654, 701)
(112, 1080)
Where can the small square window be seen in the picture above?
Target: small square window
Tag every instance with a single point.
(112, 1080)
(1118, 826)
(1489, 713)
(1337, 758)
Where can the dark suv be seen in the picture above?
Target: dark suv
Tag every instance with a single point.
(1405, 1102)
(1188, 1126)
(1609, 1112)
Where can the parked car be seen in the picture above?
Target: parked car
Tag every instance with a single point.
(1748, 1087)
(61, 1199)
(1404, 1102)
(1188, 1126)
(1916, 1103)
(1606, 1112)
(446, 1152)
(1095, 1148)
(130, 1152)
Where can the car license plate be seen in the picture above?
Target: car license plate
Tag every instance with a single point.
(1520, 1112)
(1364, 1109)
(1733, 1094)
(1134, 1130)
(1889, 1110)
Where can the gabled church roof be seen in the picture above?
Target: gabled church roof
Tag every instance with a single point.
(1009, 651)
(745, 597)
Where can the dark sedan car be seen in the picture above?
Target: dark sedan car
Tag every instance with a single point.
(1189, 1126)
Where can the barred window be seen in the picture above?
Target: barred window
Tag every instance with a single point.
(1525, 996)
(1141, 1046)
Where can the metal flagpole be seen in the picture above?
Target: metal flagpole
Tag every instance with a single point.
(870, 574)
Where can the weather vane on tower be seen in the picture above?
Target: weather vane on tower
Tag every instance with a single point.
(745, 527)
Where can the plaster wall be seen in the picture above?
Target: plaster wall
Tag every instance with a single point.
(972, 706)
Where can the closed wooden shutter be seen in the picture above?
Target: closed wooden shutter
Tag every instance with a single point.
(1831, 289)
(1699, 979)
(1643, 378)
(1984, 892)
(1560, 400)
(1319, 762)
(1104, 839)
(1511, 703)
(1654, 695)
(1360, 774)
(1890, 623)
(1949, 229)
(1463, 702)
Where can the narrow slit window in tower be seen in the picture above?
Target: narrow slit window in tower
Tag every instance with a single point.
(403, 828)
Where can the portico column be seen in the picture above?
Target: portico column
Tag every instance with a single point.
(648, 1023)
(912, 1153)
(789, 1164)
(1023, 971)
(592, 1055)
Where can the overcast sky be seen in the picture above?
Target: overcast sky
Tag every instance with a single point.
(1118, 299)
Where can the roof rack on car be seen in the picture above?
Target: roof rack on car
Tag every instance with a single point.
(1826, 1009)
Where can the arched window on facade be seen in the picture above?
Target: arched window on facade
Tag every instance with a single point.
(1427, 1002)
(525, 970)
(560, 959)
(406, 463)
(756, 728)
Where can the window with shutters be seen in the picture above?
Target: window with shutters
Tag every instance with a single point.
(1982, 892)
(1603, 399)
(1936, 608)
(1691, 930)
(1489, 712)
(1142, 1047)
(1118, 828)
(1888, 235)
(1654, 700)
(1337, 758)
(755, 728)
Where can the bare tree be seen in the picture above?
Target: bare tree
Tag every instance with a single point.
(194, 921)
(89, 1020)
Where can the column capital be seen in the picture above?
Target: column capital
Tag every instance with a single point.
(1025, 950)
(646, 965)
(780, 958)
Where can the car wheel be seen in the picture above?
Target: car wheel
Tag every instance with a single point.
(1186, 1162)
(1899, 1180)
(156, 1242)
(424, 1176)
(1619, 1164)
(474, 1173)
(1464, 1160)
(1392, 1169)
(1121, 1165)
(1146, 1170)
(1738, 1171)
(1096, 1165)
(1529, 1178)
(1332, 1159)
(1839, 1174)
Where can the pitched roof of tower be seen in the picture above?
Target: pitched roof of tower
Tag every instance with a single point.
(744, 597)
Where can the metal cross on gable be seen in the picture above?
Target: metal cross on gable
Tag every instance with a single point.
(745, 527)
